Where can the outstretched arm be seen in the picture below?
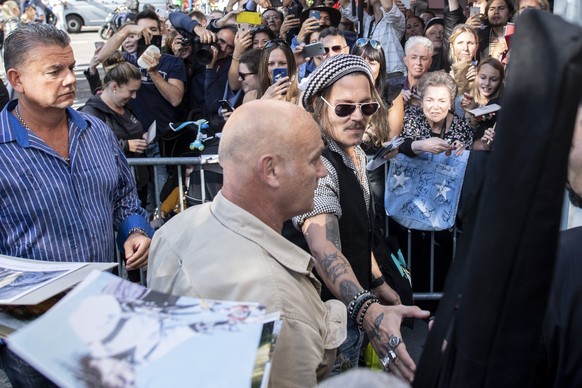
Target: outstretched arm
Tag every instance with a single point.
(380, 322)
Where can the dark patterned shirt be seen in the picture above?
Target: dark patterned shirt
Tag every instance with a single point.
(327, 199)
(416, 127)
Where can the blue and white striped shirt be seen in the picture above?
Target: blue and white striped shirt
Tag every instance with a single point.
(53, 211)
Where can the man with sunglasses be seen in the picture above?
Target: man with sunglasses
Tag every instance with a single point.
(334, 42)
(341, 96)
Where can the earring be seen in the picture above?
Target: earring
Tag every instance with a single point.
(114, 90)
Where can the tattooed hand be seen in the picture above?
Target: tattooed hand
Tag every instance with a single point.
(380, 323)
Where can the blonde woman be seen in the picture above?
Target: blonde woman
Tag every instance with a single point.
(10, 16)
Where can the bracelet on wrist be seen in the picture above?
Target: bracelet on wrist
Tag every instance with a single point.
(363, 313)
(377, 282)
(138, 231)
(356, 305)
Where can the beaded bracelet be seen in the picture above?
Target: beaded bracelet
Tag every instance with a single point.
(355, 300)
(363, 313)
(353, 314)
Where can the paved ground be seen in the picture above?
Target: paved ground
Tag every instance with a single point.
(83, 47)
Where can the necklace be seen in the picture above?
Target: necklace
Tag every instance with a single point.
(19, 117)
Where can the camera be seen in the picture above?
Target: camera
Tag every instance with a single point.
(203, 52)
(186, 41)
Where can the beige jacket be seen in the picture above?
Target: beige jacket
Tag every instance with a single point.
(220, 251)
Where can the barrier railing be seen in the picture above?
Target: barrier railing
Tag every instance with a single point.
(206, 160)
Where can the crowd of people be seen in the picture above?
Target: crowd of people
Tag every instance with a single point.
(295, 130)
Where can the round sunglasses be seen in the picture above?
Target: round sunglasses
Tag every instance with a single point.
(364, 41)
(346, 109)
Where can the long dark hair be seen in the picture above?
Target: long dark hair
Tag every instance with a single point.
(264, 77)
(379, 121)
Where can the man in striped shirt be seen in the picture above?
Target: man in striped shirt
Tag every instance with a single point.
(65, 185)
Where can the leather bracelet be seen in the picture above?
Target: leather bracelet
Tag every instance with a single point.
(137, 230)
(377, 282)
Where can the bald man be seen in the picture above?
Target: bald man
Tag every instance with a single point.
(232, 248)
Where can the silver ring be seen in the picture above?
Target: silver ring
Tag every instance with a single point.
(392, 355)
(394, 341)
(386, 361)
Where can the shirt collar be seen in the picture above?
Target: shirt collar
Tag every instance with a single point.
(333, 146)
(12, 130)
(245, 224)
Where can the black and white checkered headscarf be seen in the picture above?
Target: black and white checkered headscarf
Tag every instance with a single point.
(331, 70)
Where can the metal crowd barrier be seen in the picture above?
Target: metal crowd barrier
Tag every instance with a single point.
(432, 293)
(156, 163)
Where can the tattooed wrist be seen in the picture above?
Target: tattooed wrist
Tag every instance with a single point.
(348, 290)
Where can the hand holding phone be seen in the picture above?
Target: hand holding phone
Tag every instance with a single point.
(474, 11)
(279, 73)
(313, 50)
(226, 105)
(155, 40)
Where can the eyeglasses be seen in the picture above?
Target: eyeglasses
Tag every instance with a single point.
(335, 49)
(364, 41)
(345, 109)
(242, 76)
(276, 42)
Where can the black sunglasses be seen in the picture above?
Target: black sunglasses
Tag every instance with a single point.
(335, 49)
(276, 42)
(345, 109)
(242, 76)
(364, 41)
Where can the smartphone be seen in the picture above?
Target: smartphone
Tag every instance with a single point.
(249, 17)
(487, 109)
(279, 73)
(474, 11)
(98, 45)
(244, 26)
(315, 14)
(313, 50)
(162, 13)
(156, 40)
(276, 3)
(226, 105)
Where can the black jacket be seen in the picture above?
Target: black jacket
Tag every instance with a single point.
(124, 128)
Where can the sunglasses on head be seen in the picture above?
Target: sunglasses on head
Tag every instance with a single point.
(276, 42)
(364, 41)
(335, 49)
(242, 76)
(345, 109)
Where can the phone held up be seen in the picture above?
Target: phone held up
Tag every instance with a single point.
(313, 50)
(156, 40)
(279, 73)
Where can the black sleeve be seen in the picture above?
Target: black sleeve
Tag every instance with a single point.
(406, 148)
(95, 83)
